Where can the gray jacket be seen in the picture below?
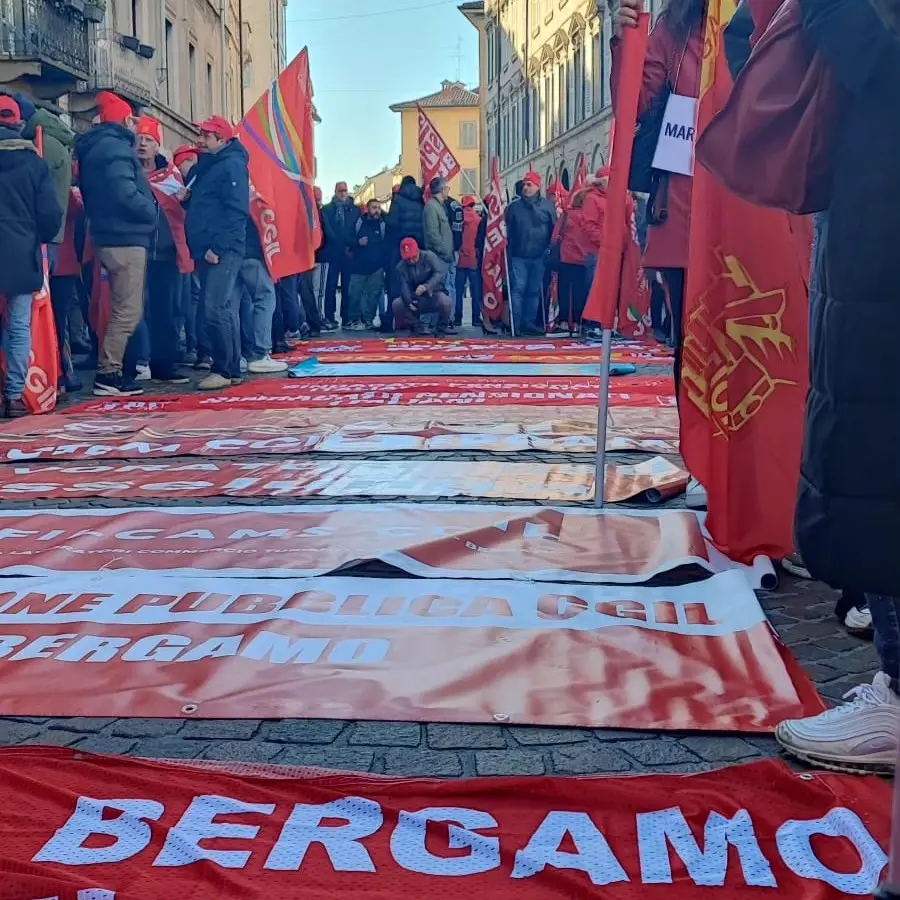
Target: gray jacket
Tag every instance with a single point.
(438, 234)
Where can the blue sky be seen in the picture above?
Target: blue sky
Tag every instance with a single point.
(366, 55)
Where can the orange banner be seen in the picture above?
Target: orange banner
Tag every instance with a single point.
(237, 432)
(655, 480)
(81, 827)
(746, 351)
(389, 649)
(432, 541)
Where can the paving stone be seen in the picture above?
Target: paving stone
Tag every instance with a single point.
(465, 737)
(586, 759)
(620, 734)
(55, 738)
(386, 734)
(168, 748)
(304, 731)
(224, 729)
(422, 763)
(103, 743)
(12, 733)
(539, 737)
(721, 749)
(242, 751)
(146, 728)
(657, 752)
(509, 762)
(811, 653)
(346, 759)
(81, 723)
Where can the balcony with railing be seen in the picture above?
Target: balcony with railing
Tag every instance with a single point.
(121, 64)
(50, 33)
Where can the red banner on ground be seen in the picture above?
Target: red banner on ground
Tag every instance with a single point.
(426, 651)
(130, 829)
(237, 432)
(433, 541)
(746, 356)
(654, 480)
(451, 346)
(310, 393)
(648, 356)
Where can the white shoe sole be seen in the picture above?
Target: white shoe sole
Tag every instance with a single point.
(851, 766)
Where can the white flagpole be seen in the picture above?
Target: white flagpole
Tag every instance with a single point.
(512, 320)
(602, 422)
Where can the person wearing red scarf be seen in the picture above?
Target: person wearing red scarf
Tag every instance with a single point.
(168, 258)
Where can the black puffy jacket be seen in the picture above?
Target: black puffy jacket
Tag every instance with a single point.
(848, 511)
(405, 218)
(339, 220)
(529, 226)
(30, 214)
(118, 201)
(219, 204)
(373, 256)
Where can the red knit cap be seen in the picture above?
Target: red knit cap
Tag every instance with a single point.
(113, 108)
(219, 126)
(532, 177)
(185, 151)
(150, 127)
(10, 114)
(409, 248)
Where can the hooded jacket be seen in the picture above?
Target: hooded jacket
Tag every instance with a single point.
(219, 203)
(529, 226)
(59, 144)
(369, 258)
(117, 198)
(339, 220)
(405, 218)
(471, 251)
(438, 234)
(29, 214)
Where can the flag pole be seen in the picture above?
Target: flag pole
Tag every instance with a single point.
(509, 303)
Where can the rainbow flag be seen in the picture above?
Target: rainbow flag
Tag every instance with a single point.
(278, 135)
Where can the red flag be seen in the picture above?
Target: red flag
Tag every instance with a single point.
(493, 265)
(168, 186)
(278, 135)
(435, 156)
(746, 347)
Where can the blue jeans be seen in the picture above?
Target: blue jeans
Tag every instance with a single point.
(473, 277)
(526, 277)
(886, 622)
(450, 283)
(221, 301)
(256, 322)
(17, 344)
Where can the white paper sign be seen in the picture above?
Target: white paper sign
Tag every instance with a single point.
(675, 149)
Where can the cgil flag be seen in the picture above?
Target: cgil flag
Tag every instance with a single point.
(278, 135)
(435, 157)
(494, 265)
(746, 347)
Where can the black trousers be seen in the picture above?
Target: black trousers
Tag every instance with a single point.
(62, 296)
(339, 269)
(309, 306)
(287, 309)
(675, 283)
(162, 299)
(571, 293)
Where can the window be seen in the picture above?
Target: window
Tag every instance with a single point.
(209, 89)
(493, 61)
(469, 181)
(599, 80)
(468, 135)
(136, 18)
(168, 59)
(534, 12)
(547, 101)
(192, 81)
(578, 87)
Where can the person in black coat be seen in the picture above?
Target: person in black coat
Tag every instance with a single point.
(405, 219)
(122, 217)
(30, 215)
(216, 227)
(848, 510)
(339, 224)
(370, 257)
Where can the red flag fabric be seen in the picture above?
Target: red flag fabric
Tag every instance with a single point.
(81, 827)
(435, 156)
(746, 348)
(167, 186)
(278, 135)
(493, 264)
(581, 176)
(44, 368)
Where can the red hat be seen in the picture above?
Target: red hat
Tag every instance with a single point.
(468, 200)
(532, 177)
(150, 127)
(409, 248)
(340, 186)
(10, 114)
(219, 126)
(113, 108)
(182, 153)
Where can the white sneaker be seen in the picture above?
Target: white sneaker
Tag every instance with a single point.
(861, 736)
(695, 497)
(858, 621)
(266, 366)
(143, 373)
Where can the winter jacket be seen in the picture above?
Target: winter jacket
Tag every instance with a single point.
(117, 198)
(370, 258)
(569, 233)
(406, 216)
(848, 511)
(471, 250)
(58, 145)
(339, 221)
(30, 214)
(219, 203)
(438, 235)
(594, 205)
(456, 218)
(529, 226)
(737, 38)
(322, 251)
(430, 270)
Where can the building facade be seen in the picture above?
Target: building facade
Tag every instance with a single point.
(263, 47)
(455, 112)
(379, 186)
(177, 60)
(546, 99)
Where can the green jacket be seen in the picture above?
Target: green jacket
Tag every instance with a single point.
(59, 141)
(438, 235)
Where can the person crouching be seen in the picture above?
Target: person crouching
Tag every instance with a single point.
(422, 276)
